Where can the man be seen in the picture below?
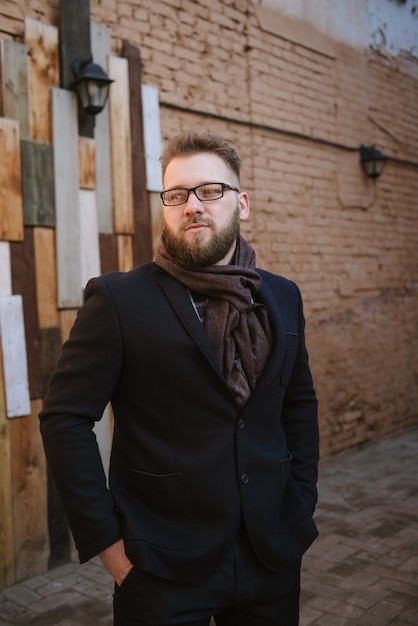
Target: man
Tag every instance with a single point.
(212, 481)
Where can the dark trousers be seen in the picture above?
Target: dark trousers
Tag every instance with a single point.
(241, 593)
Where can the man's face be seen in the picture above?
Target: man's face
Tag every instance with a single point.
(200, 233)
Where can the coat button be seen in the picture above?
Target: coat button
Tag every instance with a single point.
(244, 479)
(241, 424)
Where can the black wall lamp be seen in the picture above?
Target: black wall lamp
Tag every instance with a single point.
(373, 161)
(78, 72)
(91, 84)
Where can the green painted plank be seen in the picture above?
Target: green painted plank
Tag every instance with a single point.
(16, 85)
(38, 184)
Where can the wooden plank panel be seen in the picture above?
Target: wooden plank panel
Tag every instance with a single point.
(16, 84)
(51, 344)
(65, 134)
(46, 277)
(38, 183)
(86, 162)
(109, 261)
(152, 137)
(142, 241)
(89, 236)
(5, 273)
(11, 205)
(7, 556)
(101, 49)
(24, 282)
(74, 19)
(74, 28)
(125, 253)
(157, 219)
(42, 42)
(29, 495)
(1, 83)
(67, 317)
(142, 245)
(13, 344)
(121, 147)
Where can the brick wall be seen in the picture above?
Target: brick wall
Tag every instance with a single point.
(297, 109)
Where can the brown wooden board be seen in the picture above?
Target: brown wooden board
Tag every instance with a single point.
(11, 205)
(29, 495)
(42, 42)
(125, 253)
(46, 276)
(38, 184)
(67, 317)
(24, 283)
(1, 83)
(86, 162)
(121, 147)
(7, 557)
(142, 241)
(109, 260)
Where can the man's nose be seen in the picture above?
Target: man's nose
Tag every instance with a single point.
(193, 204)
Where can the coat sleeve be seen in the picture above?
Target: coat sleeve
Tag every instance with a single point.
(300, 418)
(80, 388)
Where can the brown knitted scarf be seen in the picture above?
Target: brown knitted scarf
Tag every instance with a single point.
(238, 327)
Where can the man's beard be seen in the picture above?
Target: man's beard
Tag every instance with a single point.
(197, 252)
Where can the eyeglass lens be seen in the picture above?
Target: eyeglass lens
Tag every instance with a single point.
(209, 191)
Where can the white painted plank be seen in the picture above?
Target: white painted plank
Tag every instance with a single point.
(89, 237)
(152, 136)
(13, 343)
(103, 432)
(65, 141)
(5, 269)
(101, 50)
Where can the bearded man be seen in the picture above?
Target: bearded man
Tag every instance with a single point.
(212, 480)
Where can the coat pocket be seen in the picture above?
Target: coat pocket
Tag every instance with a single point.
(292, 508)
(294, 525)
(153, 509)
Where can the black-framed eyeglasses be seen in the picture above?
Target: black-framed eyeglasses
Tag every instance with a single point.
(204, 193)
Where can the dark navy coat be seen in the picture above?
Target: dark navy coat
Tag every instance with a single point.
(187, 467)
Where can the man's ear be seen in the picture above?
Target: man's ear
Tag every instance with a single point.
(244, 206)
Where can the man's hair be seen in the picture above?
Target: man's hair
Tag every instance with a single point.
(190, 143)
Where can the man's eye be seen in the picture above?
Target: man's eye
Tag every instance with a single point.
(208, 192)
(177, 194)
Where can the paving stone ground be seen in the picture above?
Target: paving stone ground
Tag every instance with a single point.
(361, 571)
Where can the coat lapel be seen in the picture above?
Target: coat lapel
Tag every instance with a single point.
(178, 297)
